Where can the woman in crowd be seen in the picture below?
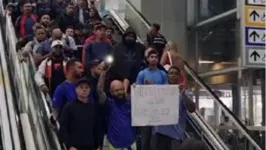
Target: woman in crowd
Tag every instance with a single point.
(171, 57)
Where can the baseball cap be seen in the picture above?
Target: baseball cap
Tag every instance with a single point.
(83, 80)
(94, 62)
(99, 26)
(57, 42)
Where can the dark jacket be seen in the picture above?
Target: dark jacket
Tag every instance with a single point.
(86, 15)
(80, 125)
(97, 50)
(24, 25)
(128, 58)
(66, 20)
(157, 41)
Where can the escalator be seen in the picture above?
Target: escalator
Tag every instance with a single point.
(11, 135)
(35, 110)
(113, 19)
(236, 138)
(32, 108)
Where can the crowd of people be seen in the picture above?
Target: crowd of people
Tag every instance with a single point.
(88, 72)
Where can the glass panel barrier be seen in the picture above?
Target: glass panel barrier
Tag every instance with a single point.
(237, 138)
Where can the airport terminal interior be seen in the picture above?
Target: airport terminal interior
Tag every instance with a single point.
(225, 69)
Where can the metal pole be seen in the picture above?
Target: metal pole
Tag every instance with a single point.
(250, 97)
(262, 79)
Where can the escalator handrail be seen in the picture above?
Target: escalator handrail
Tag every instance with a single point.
(28, 96)
(44, 99)
(231, 116)
(209, 131)
(5, 126)
(10, 100)
(195, 76)
(25, 68)
(144, 20)
(19, 77)
(196, 115)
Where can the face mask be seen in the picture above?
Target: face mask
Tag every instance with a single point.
(129, 41)
(58, 53)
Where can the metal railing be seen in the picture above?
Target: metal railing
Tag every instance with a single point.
(32, 104)
(6, 129)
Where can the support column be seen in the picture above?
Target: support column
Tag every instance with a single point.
(250, 98)
(216, 114)
(262, 79)
(236, 99)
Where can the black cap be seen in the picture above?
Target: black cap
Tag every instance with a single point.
(83, 80)
(94, 62)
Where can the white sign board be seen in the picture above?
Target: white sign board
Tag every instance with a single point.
(256, 56)
(256, 2)
(256, 36)
(153, 105)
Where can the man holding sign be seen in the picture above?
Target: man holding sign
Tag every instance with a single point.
(149, 76)
(120, 133)
(170, 137)
(169, 128)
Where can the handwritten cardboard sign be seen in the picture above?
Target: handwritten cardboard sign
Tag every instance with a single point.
(153, 105)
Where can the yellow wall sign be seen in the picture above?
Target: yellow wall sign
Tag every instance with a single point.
(255, 17)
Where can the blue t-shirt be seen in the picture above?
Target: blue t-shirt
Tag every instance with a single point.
(120, 132)
(65, 92)
(176, 131)
(154, 76)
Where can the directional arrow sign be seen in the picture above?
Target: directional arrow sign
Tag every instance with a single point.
(256, 2)
(255, 16)
(255, 36)
(256, 56)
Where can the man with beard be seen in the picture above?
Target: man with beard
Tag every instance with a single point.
(170, 137)
(128, 59)
(51, 71)
(120, 133)
(65, 92)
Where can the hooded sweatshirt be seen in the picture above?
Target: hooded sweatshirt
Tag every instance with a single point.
(128, 57)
